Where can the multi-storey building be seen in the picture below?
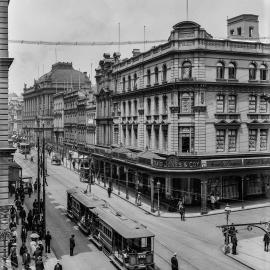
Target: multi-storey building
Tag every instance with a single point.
(38, 99)
(191, 114)
(58, 121)
(15, 106)
(5, 151)
(90, 111)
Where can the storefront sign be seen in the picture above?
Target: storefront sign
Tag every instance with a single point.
(177, 162)
(256, 161)
(224, 163)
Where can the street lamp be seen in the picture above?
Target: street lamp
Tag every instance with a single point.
(227, 211)
(158, 188)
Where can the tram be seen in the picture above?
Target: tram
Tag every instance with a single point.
(127, 243)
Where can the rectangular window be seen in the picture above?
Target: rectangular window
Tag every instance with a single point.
(220, 140)
(250, 31)
(263, 139)
(186, 139)
(135, 107)
(124, 135)
(239, 31)
(232, 104)
(157, 138)
(187, 102)
(116, 135)
(165, 139)
(263, 105)
(148, 106)
(232, 136)
(220, 103)
(165, 104)
(135, 136)
(156, 105)
(149, 136)
(252, 104)
(252, 139)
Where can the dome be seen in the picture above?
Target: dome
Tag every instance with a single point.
(186, 25)
(62, 72)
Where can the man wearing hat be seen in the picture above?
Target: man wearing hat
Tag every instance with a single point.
(58, 266)
(174, 262)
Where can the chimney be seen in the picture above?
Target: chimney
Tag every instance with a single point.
(136, 52)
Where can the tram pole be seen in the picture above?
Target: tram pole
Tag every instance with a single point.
(44, 183)
(38, 172)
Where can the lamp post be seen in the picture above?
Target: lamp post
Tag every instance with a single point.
(44, 182)
(158, 188)
(227, 211)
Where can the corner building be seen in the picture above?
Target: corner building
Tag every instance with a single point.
(192, 114)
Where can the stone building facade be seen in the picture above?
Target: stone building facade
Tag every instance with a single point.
(192, 114)
(38, 99)
(15, 108)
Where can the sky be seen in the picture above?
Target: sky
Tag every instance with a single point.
(98, 20)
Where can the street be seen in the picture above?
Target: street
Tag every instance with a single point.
(197, 241)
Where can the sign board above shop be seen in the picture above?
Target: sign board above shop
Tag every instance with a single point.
(176, 162)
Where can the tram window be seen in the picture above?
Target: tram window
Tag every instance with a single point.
(144, 242)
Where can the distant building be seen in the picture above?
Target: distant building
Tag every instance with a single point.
(15, 107)
(38, 99)
(192, 114)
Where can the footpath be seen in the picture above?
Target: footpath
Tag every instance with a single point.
(250, 252)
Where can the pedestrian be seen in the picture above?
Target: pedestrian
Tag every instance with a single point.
(234, 244)
(41, 247)
(26, 258)
(30, 190)
(13, 257)
(181, 209)
(12, 224)
(30, 219)
(48, 239)
(12, 213)
(37, 253)
(23, 215)
(213, 201)
(22, 197)
(35, 186)
(73, 164)
(266, 240)
(23, 249)
(58, 266)
(35, 204)
(39, 264)
(71, 244)
(139, 199)
(174, 262)
(27, 267)
(41, 205)
(109, 191)
(23, 234)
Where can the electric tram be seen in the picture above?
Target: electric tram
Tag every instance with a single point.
(128, 244)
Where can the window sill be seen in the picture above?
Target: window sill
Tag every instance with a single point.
(264, 81)
(253, 81)
(233, 80)
(220, 80)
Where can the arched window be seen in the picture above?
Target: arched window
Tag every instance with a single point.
(164, 73)
(252, 71)
(232, 71)
(129, 83)
(220, 70)
(156, 75)
(135, 81)
(186, 70)
(263, 72)
(124, 84)
(148, 77)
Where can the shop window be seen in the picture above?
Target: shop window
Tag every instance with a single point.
(232, 137)
(252, 104)
(164, 73)
(186, 102)
(220, 103)
(252, 139)
(252, 72)
(148, 77)
(186, 139)
(156, 75)
(232, 71)
(263, 105)
(220, 140)
(231, 103)
(263, 73)
(220, 70)
(263, 139)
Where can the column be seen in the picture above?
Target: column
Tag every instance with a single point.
(258, 146)
(111, 180)
(168, 186)
(104, 171)
(136, 185)
(242, 191)
(203, 196)
(152, 193)
(188, 197)
(126, 171)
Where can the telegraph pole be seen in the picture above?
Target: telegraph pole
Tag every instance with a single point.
(38, 171)
(44, 182)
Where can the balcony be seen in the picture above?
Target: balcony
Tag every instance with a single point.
(258, 116)
(227, 116)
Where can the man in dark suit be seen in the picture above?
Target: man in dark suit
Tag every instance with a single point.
(71, 244)
(174, 262)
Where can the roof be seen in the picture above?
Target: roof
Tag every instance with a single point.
(87, 200)
(149, 155)
(15, 165)
(186, 24)
(127, 228)
(64, 72)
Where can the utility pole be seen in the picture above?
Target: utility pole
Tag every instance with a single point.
(38, 170)
(44, 182)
